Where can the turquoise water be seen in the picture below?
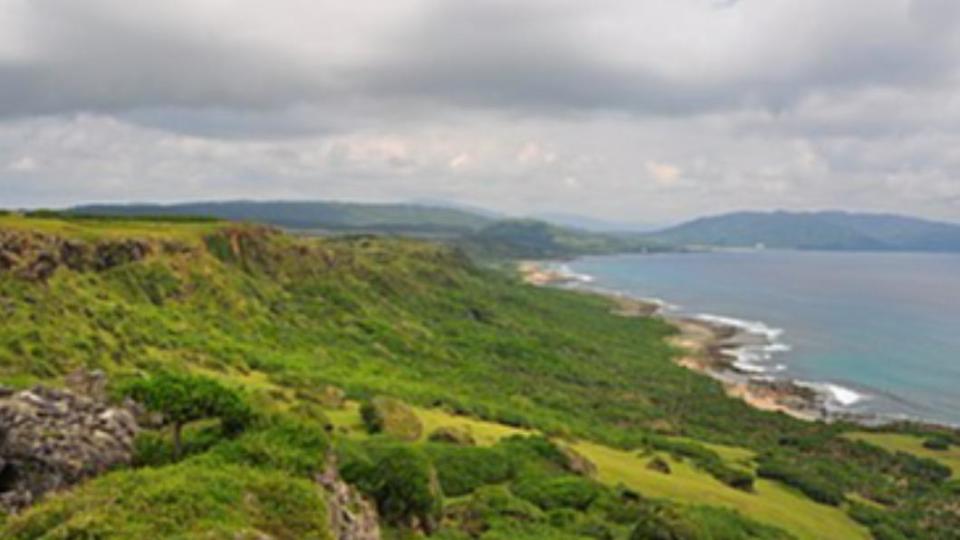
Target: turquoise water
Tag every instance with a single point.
(882, 328)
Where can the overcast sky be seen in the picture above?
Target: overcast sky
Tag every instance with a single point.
(644, 110)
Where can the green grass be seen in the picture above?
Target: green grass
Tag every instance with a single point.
(912, 444)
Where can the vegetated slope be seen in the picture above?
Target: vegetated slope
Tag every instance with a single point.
(532, 239)
(281, 318)
(816, 230)
(410, 218)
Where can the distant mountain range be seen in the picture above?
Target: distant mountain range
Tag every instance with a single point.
(815, 231)
(481, 233)
(563, 235)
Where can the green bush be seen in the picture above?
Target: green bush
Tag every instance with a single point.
(183, 398)
(462, 469)
(937, 442)
(813, 485)
(563, 491)
(535, 448)
(293, 446)
(391, 416)
(399, 478)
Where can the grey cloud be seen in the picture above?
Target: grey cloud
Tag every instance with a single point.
(659, 109)
(654, 57)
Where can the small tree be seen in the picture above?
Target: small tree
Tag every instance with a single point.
(183, 398)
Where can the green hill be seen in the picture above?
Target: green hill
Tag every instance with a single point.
(532, 239)
(816, 230)
(286, 324)
(335, 216)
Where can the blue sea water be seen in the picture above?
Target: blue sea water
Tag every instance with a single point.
(883, 329)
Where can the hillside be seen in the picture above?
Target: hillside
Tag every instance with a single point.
(570, 422)
(479, 233)
(336, 216)
(532, 239)
(816, 230)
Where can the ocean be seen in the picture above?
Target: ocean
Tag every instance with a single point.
(880, 332)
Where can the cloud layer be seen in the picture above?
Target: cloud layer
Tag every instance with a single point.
(652, 110)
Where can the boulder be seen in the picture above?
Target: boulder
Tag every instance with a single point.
(54, 438)
(393, 417)
(577, 463)
(659, 465)
(452, 435)
(332, 397)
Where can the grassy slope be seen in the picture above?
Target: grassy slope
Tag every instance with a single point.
(281, 317)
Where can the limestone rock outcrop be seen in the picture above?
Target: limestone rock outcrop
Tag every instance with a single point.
(352, 517)
(36, 256)
(51, 439)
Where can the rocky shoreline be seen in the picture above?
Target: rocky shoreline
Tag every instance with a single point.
(709, 350)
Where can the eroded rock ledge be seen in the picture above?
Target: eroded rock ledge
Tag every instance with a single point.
(36, 256)
(51, 439)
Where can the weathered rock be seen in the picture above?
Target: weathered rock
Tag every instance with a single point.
(115, 253)
(393, 417)
(352, 517)
(659, 465)
(91, 384)
(332, 397)
(36, 256)
(577, 463)
(453, 435)
(51, 439)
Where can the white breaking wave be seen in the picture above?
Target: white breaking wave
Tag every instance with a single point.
(751, 327)
(568, 273)
(836, 394)
(752, 357)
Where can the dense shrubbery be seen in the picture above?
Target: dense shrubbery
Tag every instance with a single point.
(399, 478)
(937, 442)
(462, 469)
(557, 491)
(816, 486)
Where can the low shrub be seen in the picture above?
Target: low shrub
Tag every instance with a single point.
(551, 492)
(400, 478)
(464, 469)
(813, 485)
(392, 417)
(937, 442)
(297, 447)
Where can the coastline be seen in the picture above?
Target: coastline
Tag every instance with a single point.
(713, 347)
